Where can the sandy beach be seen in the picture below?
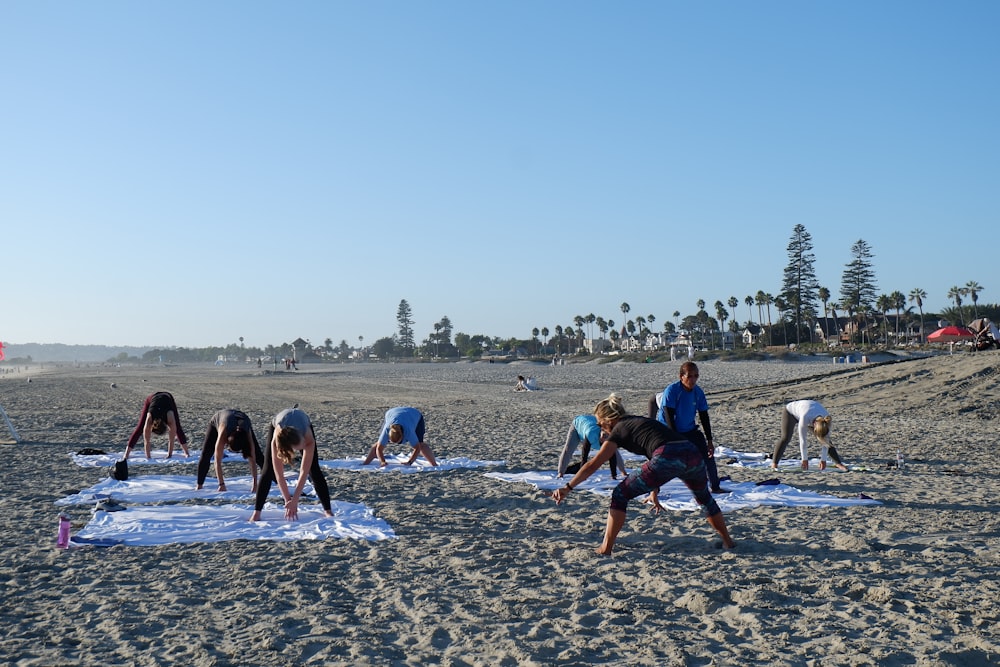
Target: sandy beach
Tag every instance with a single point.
(484, 572)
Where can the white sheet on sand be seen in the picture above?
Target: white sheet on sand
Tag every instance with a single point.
(171, 489)
(138, 458)
(147, 525)
(674, 495)
(397, 463)
(725, 456)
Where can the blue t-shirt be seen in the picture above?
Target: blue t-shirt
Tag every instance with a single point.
(587, 428)
(686, 405)
(407, 418)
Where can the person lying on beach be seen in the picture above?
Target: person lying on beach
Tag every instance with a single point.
(682, 401)
(402, 424)
(669, 455)
(802, 416)
(159, 415)
(584, 429)
(291, 432)
(229, 429)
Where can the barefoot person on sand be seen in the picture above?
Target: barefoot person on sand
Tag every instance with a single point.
(229, 429)
(401, 425)
(289, 432)
(802, 416)
(159, 415)
(670, 455)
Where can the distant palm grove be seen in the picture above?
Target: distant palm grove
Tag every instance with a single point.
(803, 313)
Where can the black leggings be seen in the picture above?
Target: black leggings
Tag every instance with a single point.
(267, 476)
(789, 422)
(208, 451)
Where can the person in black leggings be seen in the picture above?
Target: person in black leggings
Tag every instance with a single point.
(290, 432)
(229, 429)
(159, 415)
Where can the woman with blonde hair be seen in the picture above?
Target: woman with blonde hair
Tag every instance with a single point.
(803, 416)
(669, 455)
(289, 434)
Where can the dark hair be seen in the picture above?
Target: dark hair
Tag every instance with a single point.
(159, 426)
(239, 441)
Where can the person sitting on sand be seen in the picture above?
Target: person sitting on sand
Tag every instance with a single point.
(159, 415)
(584, 429)
(289, 432)
(229, 429)
(670, 455)
(521, 384)
(802, 416)
(401, 425)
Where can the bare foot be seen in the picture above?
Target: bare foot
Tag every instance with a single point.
(601, 552)
(805, 465)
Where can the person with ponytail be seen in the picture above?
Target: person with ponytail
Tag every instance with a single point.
(801, 417)
(669, 455)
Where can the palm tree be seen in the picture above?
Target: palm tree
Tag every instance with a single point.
(749, 302)
(917, 295)
(759, 300)
(545, 336)
(768, 301)
(625, 308)
(650, 319)
(898, 300)
(677, 314)
(640, 322)
(955, 294)
(559, 335)
(723, 315)
(972, 288)
(591, 318)
(884, 303)
(534, 337)
(733, 302)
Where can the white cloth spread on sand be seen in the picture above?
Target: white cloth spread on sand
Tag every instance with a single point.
(138, 458)
(186, 524)
(171, 489)
(674, 495)
(397, 463)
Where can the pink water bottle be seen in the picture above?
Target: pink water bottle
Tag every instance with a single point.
(63, 540)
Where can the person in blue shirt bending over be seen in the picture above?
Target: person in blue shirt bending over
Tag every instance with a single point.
(682, 401)
(402, 425)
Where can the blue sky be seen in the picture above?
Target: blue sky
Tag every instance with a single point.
(186, 173)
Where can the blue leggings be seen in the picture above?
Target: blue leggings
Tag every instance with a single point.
(674, 459)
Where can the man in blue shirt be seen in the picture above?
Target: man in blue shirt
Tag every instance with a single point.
(682, 400)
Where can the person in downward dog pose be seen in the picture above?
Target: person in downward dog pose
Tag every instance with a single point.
(669, 455)
(291, 433)
(801, 417)
(401, 425)
(229, 429)
(159, 415)
(585, 430)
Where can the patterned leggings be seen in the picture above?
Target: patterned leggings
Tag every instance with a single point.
(674, 459)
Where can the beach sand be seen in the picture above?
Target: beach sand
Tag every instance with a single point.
(485, 572)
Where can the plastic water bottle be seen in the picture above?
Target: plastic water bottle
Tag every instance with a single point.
(63, 540)
(899, 460)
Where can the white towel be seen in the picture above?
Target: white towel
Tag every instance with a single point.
(170, 488)
(397, 463)
(674, 495)
(138, 458)
(185, 524)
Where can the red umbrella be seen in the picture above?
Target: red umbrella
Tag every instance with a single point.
(950, 335)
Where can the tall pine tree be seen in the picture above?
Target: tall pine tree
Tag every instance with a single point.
(858, 290)
(800, 286)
